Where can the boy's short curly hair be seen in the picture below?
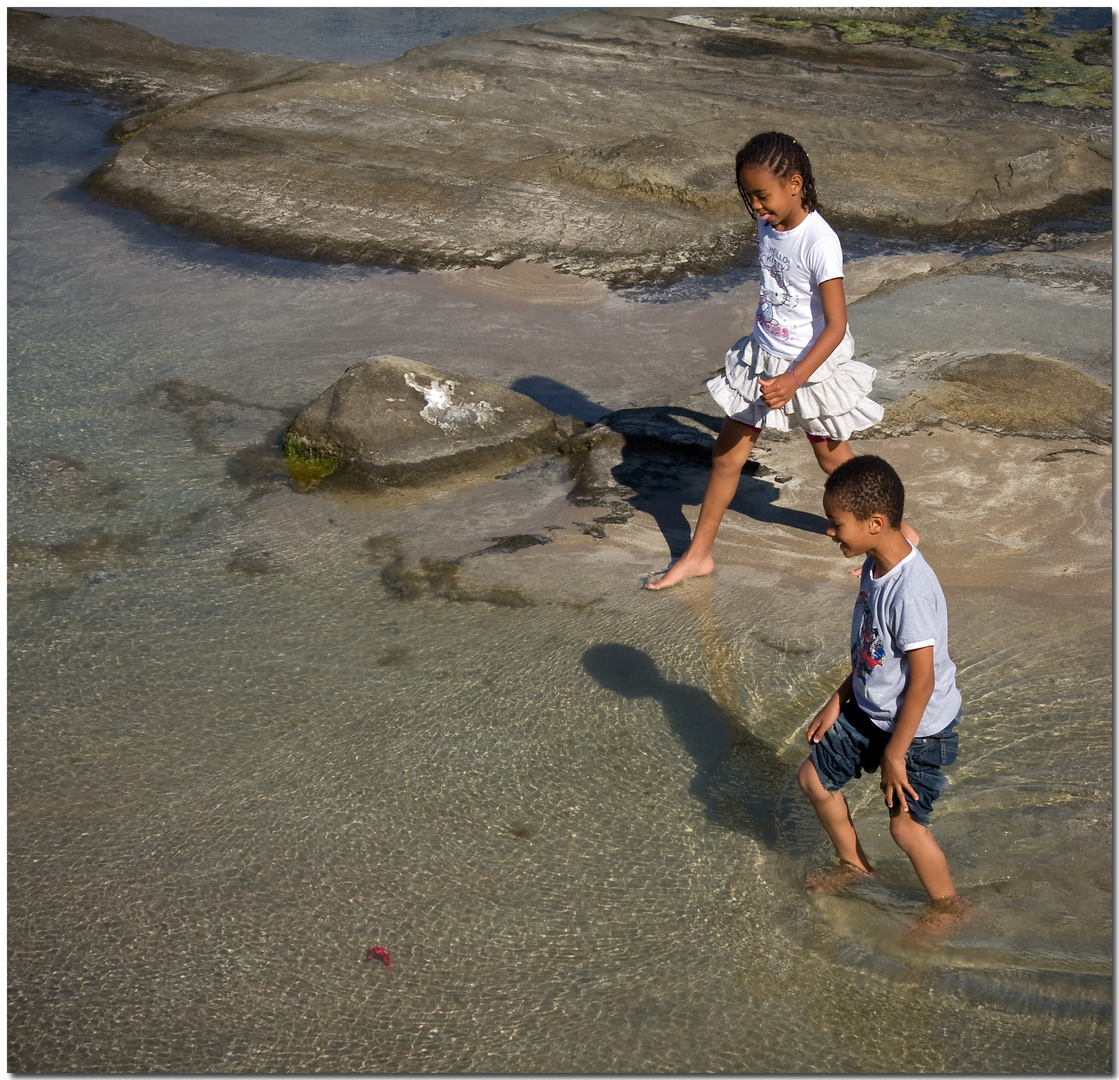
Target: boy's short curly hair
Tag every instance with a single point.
(865, 485)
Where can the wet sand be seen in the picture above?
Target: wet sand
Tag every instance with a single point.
(997, 502)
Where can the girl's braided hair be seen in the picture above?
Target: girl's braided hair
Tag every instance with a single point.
(783, 156)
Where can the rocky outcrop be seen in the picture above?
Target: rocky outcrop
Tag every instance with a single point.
(127, 65)
(599, 142)
(389, 420)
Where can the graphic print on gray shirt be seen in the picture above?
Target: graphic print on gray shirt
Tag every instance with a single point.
(902, 610)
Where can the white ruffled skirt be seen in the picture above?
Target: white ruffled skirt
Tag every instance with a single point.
(833, 403)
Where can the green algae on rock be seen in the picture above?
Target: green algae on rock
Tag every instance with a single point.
(308, 463)
(1048, 67)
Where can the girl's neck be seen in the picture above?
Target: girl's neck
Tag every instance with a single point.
(797, 217)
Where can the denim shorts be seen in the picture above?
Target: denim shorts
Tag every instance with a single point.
(854, 744)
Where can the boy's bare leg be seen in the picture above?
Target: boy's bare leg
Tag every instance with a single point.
(732, 450)
(830, 455)
(948, 908)
(924, 853)
(835, 816)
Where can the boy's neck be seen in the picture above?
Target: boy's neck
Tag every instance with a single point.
(890, 548)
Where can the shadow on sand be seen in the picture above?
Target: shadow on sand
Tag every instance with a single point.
(670, 471)
(560, 398)
(666, 461)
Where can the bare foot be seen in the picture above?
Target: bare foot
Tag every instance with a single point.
(942, 915)
(834, 879)
(684, 567)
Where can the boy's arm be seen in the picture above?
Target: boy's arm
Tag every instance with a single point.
(777, 391)
(830, 712)
(918, 693)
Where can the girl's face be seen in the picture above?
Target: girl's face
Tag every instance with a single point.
(773, 199)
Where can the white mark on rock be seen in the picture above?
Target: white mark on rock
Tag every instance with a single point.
(442, 411)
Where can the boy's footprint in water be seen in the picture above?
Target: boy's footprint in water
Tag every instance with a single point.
(942, 917)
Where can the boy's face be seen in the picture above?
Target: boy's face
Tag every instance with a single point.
(854, 537)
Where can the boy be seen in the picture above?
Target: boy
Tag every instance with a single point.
(899, 707)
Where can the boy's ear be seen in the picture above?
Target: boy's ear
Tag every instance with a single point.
(876, 523)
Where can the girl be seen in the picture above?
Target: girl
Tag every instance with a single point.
(797, 366)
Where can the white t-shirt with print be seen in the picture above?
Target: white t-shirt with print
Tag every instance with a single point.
(902, 610)
(793, 263)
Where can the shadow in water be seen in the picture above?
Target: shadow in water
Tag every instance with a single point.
(738, 776)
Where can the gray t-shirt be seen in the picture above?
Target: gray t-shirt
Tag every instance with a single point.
(902, 610)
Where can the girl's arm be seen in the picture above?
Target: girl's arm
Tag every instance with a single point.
(918, 693)
(830, 712)
(778, 391)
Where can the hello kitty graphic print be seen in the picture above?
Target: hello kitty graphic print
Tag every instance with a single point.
(774, 295)
(793, 262)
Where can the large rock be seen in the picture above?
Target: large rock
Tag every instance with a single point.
(600, 142)
(1009, 394)
(389, 420)
(1054, 304)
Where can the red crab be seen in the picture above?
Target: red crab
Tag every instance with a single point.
(379, 953)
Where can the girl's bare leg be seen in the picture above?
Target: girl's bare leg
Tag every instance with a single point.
(831, 808)
(732, 450)
(831, 455)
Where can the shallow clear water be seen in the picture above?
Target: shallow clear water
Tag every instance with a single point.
(237, 760)
(352, 35)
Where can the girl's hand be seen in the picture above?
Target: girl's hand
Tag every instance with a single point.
(778, 390)
(824, 719)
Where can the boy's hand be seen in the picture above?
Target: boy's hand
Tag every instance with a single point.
(918, 692)
(895, 783)
(824, 719)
